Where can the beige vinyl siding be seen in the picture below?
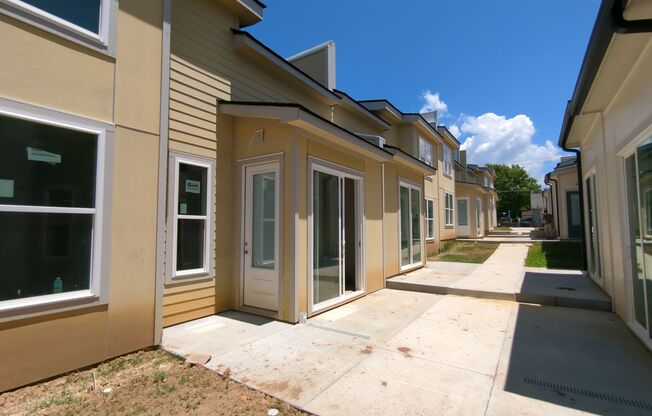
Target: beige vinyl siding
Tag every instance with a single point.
(355, 123)
(202, 39)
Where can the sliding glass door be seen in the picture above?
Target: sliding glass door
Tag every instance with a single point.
(638, 178)
(410, 225)
(336, 236)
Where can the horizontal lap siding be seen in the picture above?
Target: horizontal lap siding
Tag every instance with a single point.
(205, 69)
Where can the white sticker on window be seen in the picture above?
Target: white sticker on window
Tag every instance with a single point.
(39, 155)
(183, 208)
(6, 188)
(193, 187)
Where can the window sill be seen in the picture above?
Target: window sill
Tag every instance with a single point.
(48, 304)
(59, 27)
(448, 176)
(449, 227)
(194, 277)
(430, 240)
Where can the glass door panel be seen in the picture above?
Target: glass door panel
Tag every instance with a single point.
(644, 158)
(404, 212)
(263, 228)
(327, 225)
(635, 242)
(416, 225)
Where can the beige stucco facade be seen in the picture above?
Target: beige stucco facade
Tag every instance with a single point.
(182, 83)
(474, 187)
(564, 195)
(62, 79)
(611, 130)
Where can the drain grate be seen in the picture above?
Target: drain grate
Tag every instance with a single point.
(560, 388)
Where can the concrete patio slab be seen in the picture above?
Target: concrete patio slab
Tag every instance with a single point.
(218, 334)
(565, 361)
(379, 316)
(295, 364)
(455, 355)
(455, 339)
(389, 383)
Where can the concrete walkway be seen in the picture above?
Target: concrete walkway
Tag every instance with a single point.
(406, 353)
(504, 277)
(497, 278)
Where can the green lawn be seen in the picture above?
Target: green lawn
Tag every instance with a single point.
(502, 228)
(555, 255)
(465, 252)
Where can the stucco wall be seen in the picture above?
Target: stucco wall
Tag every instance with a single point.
(621, 122)
(80, 81)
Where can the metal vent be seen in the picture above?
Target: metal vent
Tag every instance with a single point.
(588, 393)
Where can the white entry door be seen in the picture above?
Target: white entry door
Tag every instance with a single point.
(261, 236)
(479, 217)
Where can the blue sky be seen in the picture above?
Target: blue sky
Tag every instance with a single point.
(499, 72)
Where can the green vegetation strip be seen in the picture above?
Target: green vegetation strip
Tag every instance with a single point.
(555, 255)
(465, 252)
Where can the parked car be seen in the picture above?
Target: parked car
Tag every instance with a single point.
(525, 222)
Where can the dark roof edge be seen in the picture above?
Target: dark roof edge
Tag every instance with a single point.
(598, 43)
(302, 108)
(285, 61)
(427, 166)
(362, 107)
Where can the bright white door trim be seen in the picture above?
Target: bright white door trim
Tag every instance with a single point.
(463, 230)
(260, 286)
(405, 183)
(315, 164)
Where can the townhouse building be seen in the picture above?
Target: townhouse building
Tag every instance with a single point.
(565, 199)
(608, 124)
(79, 147)
(476, 198)
(161, 164)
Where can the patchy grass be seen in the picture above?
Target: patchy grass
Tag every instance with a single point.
(555, 255)
(465, 251)
(503, 228)
(148, 382)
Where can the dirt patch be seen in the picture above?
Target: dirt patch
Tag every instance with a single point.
(145, 382)
(367, 349)
(405, 351)
(383, 383)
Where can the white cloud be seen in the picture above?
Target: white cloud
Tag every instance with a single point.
(455, 130)
(433, 103)
(492, 138)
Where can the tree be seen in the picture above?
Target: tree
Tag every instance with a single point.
(513, 186)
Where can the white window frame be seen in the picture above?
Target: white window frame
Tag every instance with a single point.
(97, 293)
(425, 151)
(448, 161)
(104, 41)
(405, 183)
(449, 211)
(430, 219)
(206, 271)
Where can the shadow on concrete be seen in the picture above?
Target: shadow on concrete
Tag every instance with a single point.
(585, 360)
(246, 318)
(571, 289)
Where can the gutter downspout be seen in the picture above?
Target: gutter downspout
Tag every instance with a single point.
(580, 189)
(552, 201)
(382, 229)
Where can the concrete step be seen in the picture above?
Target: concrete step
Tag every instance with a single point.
(568, 289)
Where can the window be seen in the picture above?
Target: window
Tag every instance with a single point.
(84, 21)
(448, 161)
(51, 177)
(191, 212)
(485, 181)
(462, 212)
(425, 151)
(430, 219)
(448, 209)
(410, 224)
